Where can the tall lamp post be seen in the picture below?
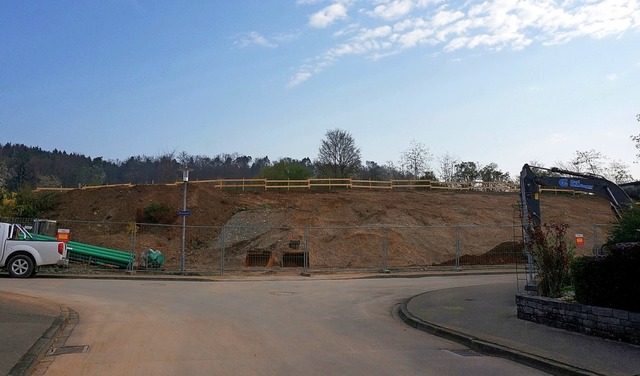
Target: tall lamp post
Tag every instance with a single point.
(184, 213)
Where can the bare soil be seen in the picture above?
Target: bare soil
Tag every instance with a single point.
(345, 223)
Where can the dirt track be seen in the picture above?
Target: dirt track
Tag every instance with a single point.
(257, 216)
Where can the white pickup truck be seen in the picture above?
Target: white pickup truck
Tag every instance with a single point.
(21, 255)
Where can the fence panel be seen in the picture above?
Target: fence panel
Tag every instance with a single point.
(253, 247)
(489, 246)
(332, 248)
(105, 244)
(599, 233)
(421, 247)
(201, 253)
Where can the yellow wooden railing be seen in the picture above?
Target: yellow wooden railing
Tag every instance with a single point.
(334, 183)
(331, 183)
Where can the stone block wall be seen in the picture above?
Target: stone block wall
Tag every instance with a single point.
(602, 322)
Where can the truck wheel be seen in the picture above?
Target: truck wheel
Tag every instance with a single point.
(20, 266)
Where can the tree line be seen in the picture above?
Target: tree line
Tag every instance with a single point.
(27, 167)
(30, 167)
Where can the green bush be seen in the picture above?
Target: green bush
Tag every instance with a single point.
(156, 213)
(589, 281)
(626, 229)
(28, 204)
(610, 281)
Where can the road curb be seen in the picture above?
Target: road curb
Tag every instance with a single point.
(491, 348)
(233, 278)
(28, 362)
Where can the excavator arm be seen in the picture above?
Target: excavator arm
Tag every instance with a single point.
(530, 184)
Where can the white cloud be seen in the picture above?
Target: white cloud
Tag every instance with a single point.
(445, 17)
(396, 25)
(328, 15)
(612, 77)
(414, 37)
(378, 32)
(298, 78)
(286, 37)
(392, 9)
(254, 38)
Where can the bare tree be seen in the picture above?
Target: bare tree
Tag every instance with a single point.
(416, 159)
(447, 166)
(618, 172)
(338, 156)
(594, 162)
(636, 138)
(185, 160)
(590, 161)
(166, 167)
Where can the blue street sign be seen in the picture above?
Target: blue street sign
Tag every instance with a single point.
(184, 212)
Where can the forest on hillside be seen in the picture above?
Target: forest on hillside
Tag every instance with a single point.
(30, 167)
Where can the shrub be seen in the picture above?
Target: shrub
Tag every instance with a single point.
(610, 281)
(626, 229)
(155, 213)
(590, 282)
(552, 255)
(27, 204)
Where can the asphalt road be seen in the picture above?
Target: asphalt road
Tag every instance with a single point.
(27, 316)
(269, 327)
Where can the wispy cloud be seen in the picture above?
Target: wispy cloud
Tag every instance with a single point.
(299, 78)
(391, 26)
(254, 39)
(328, 15)
(393, 9)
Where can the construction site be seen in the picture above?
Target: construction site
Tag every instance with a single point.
(323, 229)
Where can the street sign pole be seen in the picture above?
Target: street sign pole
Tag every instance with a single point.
(184, 226)
(183, 214)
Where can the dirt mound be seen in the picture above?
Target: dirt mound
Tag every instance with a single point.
(505, 253)
(345, 227)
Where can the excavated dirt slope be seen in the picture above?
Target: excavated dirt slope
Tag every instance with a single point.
(273, 221)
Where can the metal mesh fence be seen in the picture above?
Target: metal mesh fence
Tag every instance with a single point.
(421, 247)
(230, 249)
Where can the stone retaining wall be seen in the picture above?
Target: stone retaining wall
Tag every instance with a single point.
(602, 322)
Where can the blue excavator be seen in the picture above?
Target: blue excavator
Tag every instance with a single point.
(532, 178)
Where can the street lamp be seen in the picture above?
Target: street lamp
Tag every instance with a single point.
(184, 213)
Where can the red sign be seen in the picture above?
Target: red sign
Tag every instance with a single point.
(63, 235)
(579, 240)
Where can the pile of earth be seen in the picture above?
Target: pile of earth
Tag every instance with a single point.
(505, 253)
(345, 223)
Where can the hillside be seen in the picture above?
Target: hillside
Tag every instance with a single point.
(420, 225)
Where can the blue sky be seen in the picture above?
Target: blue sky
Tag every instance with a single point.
(501, 81)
